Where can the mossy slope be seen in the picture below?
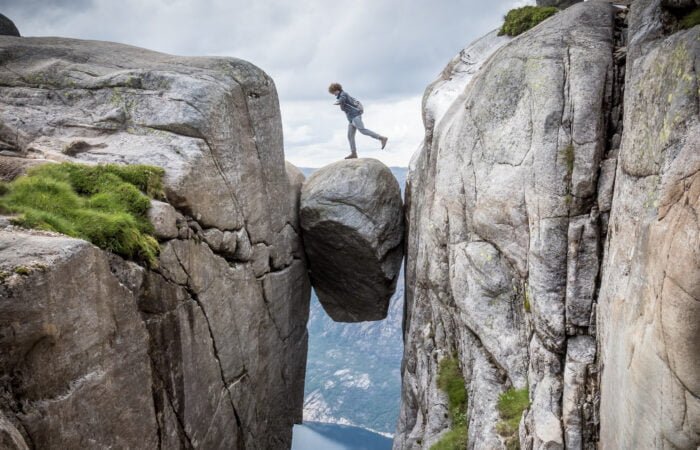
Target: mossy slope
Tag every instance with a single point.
(511, 405)
(451, 382)
(519, 20)
(104, 204)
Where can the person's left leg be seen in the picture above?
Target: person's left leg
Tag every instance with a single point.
(357, 122)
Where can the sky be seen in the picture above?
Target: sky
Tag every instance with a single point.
(383, 52)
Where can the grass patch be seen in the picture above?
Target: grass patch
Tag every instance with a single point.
(526, 303)
(455, 439)
(511, 405)
(569, 157)
(22, 270)
(451, 382)
(690, 20)
(104, 204)
(519, 20)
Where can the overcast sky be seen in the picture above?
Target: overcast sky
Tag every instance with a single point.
(384, 52)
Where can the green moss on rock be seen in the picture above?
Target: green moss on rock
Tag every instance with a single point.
(511, 405)
(105, 204)
(519, 20)
(690, 20)
(22, 270)
(451, 382)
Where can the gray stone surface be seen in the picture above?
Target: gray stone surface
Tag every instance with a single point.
(164, 218)
(10, 436)
(206, 351)
(504, 231)
(680, 3)
(561, 4)
(296, 180)
(7, 27)
(649, 307)
(352, 222)
(12, 167)
(72, 346)
(212, 123)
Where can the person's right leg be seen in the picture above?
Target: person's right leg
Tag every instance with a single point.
(351, 139)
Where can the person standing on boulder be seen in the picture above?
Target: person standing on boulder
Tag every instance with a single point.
(353, 111)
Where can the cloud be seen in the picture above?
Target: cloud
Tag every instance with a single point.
(383, 51)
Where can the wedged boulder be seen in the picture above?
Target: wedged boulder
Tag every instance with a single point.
(352, 226)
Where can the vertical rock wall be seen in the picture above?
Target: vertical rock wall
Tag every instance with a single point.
(649, 315)
(505, 234)
(552, 236)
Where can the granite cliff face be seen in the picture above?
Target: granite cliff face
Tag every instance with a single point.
(649, 303)
(552, 235)
(209, 349)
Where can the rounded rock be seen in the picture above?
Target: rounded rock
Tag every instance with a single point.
(352, 223)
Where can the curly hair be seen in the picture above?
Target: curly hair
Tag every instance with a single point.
(335, 87)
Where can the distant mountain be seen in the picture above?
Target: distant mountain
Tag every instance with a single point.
(353, 372)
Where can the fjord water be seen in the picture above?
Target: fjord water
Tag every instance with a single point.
(329, 436)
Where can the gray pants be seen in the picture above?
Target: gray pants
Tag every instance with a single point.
(357, 125)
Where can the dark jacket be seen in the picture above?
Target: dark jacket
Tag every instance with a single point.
(349, 105)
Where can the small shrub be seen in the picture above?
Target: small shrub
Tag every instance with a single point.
(22, 270)
(451, 382)
(569, 157)
(519, 20)
(511, 405)
(455, 439)
(103, 204)
(690, 20)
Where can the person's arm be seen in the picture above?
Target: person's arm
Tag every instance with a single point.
(342, 100)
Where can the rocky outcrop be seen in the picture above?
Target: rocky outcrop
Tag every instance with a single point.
(71, 339)
(680, 3)
(649, 313)
(561, 4)
(7, 27)
(504, 231)
(352, 221)
(553, 235)
(208, 350)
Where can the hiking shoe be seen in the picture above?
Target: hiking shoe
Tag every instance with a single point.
(351, 156)
(383, 140)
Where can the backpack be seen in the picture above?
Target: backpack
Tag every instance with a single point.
(355, 103)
